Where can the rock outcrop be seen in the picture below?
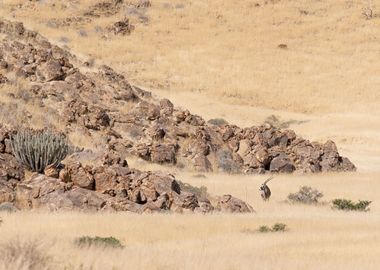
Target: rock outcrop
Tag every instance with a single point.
(122, 120)
(110, 185)
(94, 103)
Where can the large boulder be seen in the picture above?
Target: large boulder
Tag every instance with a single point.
(50, 71)
(281, 164)
(81, 176)
(228, 203)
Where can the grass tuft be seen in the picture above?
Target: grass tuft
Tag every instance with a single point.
(88, 241)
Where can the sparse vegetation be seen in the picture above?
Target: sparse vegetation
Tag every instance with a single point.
(276, 122)
(19, 254)
(305, 195)
(277, 227)
(217, 122)
(264, 229)
(38, 149)
(348, 205)
(88, 241)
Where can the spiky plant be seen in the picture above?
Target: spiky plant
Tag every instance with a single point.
(38, 149)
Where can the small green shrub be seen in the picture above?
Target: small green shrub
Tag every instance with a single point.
(264, 229)
(88, 241)
(38, 149)
(348, 205)
(306, 195)
(217, 122)
(277, 227)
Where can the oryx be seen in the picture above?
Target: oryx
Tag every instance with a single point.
(264, 190)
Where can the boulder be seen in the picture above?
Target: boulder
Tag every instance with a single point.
(51, 171)
(163, 153)
(281, 164)
(230, 204)
(50, 71)
(166, 107)
(205, 206)
(80, 176)
(202, 163)
(7, 193)
(184, 201)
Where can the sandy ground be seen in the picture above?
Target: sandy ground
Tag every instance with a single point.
(221, 59)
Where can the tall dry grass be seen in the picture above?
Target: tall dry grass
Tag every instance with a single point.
(317, 236)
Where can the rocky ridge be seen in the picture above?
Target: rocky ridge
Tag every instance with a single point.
(107, 185)
(130, 121)
(122, 120)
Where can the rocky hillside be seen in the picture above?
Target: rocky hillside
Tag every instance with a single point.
(107, 185)
(100, 105)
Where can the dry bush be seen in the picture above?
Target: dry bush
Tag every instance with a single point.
(27, 255)
(306, 195)
(276, 122)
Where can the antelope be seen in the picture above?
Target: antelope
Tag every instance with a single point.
(264, 190)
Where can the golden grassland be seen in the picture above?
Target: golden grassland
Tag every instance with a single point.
(221, 59)
(317, 237)
(229, 51)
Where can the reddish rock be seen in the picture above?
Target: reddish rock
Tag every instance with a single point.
(230, 204)
(281, 164)
(51, 171)
(80, 176)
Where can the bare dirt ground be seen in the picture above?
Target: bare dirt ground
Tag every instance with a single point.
(222, 59)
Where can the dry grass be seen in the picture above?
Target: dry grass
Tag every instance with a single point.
(230, 50)
(317, 237)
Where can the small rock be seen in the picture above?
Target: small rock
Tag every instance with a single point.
(51, 171)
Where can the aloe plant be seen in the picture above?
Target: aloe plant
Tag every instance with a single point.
(38, 149)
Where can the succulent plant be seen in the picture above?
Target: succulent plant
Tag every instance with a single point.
(36, 149)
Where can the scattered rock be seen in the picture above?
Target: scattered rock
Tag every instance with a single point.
(122, 28)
